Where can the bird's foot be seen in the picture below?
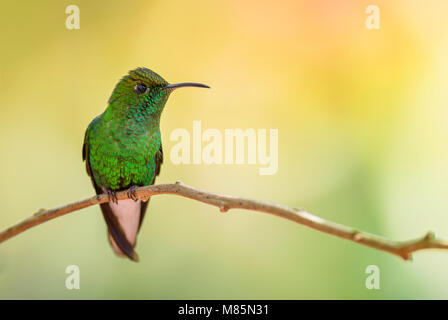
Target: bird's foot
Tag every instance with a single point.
(112, 196)
(131, 193)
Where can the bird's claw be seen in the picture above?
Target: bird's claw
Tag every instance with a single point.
(112, 196)
(131, 193)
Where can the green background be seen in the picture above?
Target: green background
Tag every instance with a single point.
(362, 122)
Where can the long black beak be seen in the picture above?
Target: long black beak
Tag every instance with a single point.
(185, 84)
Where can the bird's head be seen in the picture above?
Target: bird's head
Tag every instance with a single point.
(142, 87)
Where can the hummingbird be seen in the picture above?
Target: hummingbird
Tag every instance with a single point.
(122, 150)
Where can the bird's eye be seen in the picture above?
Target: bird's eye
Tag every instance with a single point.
(140, 88)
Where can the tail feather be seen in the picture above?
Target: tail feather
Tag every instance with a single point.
(120, 222)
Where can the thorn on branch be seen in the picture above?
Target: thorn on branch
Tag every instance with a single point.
(356, 235)
(408, 256)
(223, 208)
(429, 237)
(39, 212)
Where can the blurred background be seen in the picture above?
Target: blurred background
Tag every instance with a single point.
(363, 129)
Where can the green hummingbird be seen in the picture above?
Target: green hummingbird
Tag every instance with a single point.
(123, 150)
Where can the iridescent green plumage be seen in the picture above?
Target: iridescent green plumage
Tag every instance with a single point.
(123, 149)
(124, 139)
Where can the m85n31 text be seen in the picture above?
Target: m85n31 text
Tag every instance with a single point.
(242, 309)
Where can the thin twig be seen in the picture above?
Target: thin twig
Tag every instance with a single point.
(403, 249)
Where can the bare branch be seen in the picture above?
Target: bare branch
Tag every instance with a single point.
(403, 249)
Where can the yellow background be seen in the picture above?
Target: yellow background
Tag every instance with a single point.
(362, 119)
